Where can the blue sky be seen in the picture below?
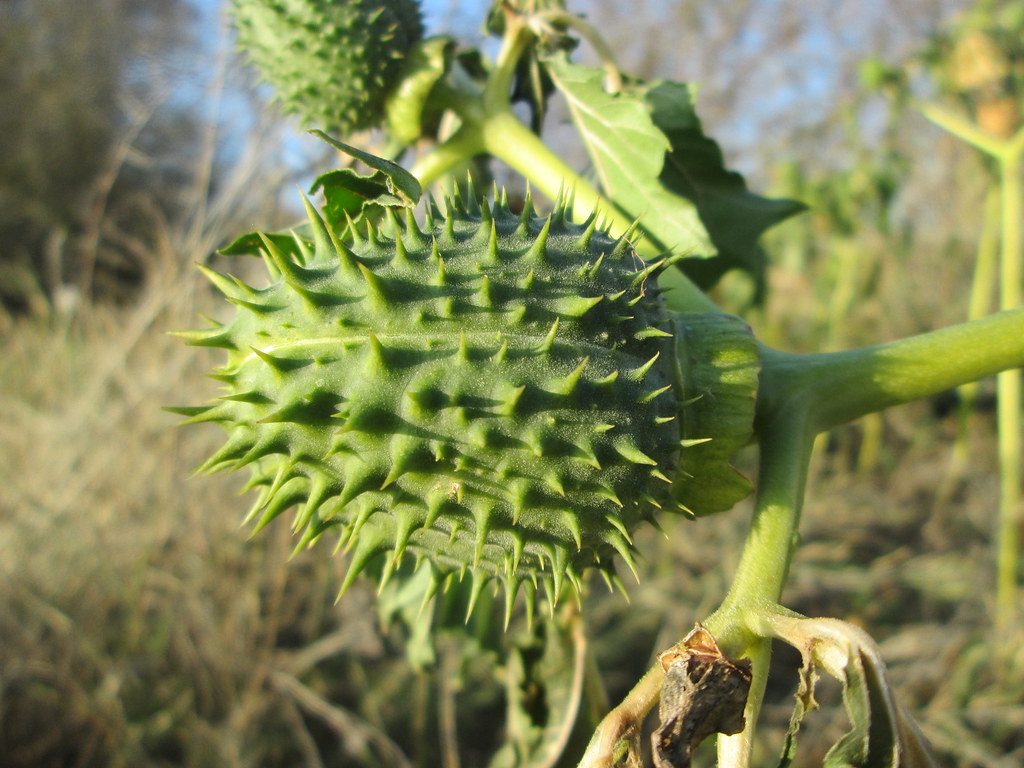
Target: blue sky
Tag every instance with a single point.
(462, 17)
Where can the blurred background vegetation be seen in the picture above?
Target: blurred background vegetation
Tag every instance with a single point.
(139, 627)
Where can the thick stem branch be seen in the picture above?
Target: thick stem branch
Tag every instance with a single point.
(842, 386)
(460, 147)
(801, 395)
(514, 44)
(786, 443)
(625, 721)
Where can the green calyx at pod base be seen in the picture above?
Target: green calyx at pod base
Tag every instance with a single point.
(487, 394)
(332, 64)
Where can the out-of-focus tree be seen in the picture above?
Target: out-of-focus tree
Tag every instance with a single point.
(83, 87)
(776, 76)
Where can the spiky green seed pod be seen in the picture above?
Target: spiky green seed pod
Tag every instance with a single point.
(332, 63)
(492, 392)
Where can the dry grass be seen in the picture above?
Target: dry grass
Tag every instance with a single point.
(137, 625)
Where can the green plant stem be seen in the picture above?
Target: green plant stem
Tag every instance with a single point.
(1008, 393)
(787, 441)
(458, 148)
(624, 721)
(1008, 153)
(514, 44)
(982, 285)
(800, 396)
(842, 386)
(764, 563)
(963, 128)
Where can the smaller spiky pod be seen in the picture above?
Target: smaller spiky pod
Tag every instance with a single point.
(492, 393)
(332, 63)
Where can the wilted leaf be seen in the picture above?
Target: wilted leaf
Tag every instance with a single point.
(805, 704)
(704, 693)
(882, 734)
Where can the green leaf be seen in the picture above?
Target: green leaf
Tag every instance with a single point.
(426, 64)
(695, 169)
(346, 192)
(251, 244)
(390, 186)
(882, 734)
(718, 398)
(544, 689)
(429, 612)
(402, 600)
(654, 162)
(628, 153)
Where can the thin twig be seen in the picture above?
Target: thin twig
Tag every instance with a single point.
(352, 729)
